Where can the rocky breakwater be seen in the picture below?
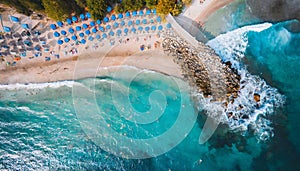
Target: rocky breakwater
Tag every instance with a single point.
(203, 69)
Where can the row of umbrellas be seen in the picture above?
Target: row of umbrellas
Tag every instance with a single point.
(113, 17)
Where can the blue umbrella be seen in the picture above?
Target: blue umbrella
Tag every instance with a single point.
(104, 35)
(69, 21)
(158, 19)
(98, 21)
(60, 42)
(81, 34)
(137, 22)
(74, 37)
(140, 28)
(122, 23)
(106, 19)
(160, 27)
(151, 21)
(92, 23)
(119, 32)
(71, 30)
(83, 41)
(6, 29)
(87, 32)
(141, 13)
(134, 13)
(101, 28)
(154, 11)
(59, 23)
(126, 30)
(63, 32)
(109, 9)
(56, 34)
(113, 17)
(108, 27)
(85, 26)
(144, 21)
(168, 25)
(53, 26)
(147, 28)
(111, 33)
(127, 14)
(82, 16)
(94, 30)
(120, 16)
(133, 30)
(98, 36)
(25, 26)
(91, 38)
(148, 12)
(130, 23)
(14, 19)
(88, 15)
(66, 40)
(78, 28)
(153, 28)
(116, 24)
(74, 19)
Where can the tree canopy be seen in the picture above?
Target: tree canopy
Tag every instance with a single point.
(57, 9)
(97, 8)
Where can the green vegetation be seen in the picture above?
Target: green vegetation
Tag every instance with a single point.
(25, 6)
(57, 9)
(97, 8)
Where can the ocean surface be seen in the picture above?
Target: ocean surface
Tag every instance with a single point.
(54, 126)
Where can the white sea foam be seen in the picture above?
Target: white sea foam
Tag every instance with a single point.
(231, 47)
(37, 85)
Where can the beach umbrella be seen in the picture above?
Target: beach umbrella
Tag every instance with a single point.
(108, 9)
(91, 38)
(113, 17)
(148, 12)
(168, 25)
(130, 23)
(14, 19)
(92, 23)
(87, 32)
(111, 33)
(85, 26)
(74, 19)
(141, 13)
(106, 19)
(160, 27)
(71, 30)
(153, 28)
(63, 32)
(101, 28)
(126, 30)
(53, 26)
(158, 19)
(88, 15)
(25, 26)
(140, 28)
(127, 14)
(59, 23)
(56, 34)
(134, 13)
(98, 36)
(122, 23)
(78, 28)
(151, 21)
(137, 22)
(120, 16)
(144, 21)
(66, 40)
(60, 42)
(104, 35)
(74, 37)
(119, 32)
(147, 28)
(116, 24)
(81, 34)
(133, 30)
(81, 16)
(98, 21)
(83, 41)
(108, 27)
(69, 21)
(154, 11)
(94, 30)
